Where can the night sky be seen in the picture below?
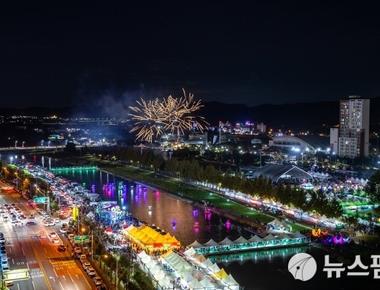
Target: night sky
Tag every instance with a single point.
(261, 52)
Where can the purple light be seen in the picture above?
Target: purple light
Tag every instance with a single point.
(195, 212)
(338, 240)
(174, 224)
(228, 225)
(208, 214)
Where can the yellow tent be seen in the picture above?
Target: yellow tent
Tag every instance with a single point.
(221, 274)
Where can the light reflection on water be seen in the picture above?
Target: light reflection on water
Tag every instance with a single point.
(257, 256)
(179, 217)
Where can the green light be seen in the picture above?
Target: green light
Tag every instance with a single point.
(74, 169)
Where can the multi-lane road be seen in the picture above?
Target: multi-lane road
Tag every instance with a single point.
(29, 247)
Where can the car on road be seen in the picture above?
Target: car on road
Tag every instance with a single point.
(9, 284)
(86, 265)
(91, 273)
(4, 264)
(98, 281)
(63, 230)
(30, 223)
(52, 235)
(77, 250)
(56, 241)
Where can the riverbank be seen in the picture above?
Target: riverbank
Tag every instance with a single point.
(220, 204)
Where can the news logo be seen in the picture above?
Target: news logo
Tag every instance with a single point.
(302, 266)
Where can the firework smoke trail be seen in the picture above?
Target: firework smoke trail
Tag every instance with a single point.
(166, 115)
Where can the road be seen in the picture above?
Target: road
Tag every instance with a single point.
(30, 247)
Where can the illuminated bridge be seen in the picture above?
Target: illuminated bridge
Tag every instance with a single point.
(73, 169)
(254, 243)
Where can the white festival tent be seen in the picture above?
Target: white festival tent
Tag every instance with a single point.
(240, 240)
(195, 244)
(190, 252)
(214, 268)
(226, 242)
(211, 243)
(255, 239)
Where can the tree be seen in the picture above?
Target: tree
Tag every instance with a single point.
(373, 187)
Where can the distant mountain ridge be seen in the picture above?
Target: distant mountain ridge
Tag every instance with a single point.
(297, 115)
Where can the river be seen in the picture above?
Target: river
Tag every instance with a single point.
(252, 270)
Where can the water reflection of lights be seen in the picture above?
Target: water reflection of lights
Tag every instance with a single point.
(195, 212)
(196, 227)
(228, 225)
(257, 255)
(109, 189)
(207, 214)
(174, 224)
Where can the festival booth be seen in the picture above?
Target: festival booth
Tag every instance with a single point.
(193, 274)
(151, 240)
(213, 274)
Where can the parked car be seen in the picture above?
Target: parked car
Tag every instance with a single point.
(97, 280)
(30, 223)
(52, 235)
(56, 241)
(91, 273)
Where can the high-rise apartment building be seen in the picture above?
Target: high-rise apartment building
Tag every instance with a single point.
(353, 134)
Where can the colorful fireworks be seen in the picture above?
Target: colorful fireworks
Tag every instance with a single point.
(166, 115)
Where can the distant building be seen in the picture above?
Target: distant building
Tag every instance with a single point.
(353, 131)
(334, 140)
(300, 144)
(261, 127)
(277, 173)
(197, 139)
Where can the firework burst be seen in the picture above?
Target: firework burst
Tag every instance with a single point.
(166, 115)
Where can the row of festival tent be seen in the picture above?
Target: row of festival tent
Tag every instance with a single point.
(175, 268)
